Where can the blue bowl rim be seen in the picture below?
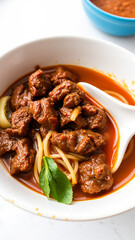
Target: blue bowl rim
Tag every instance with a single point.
(108, 14)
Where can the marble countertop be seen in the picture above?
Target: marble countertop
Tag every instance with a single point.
(22, 21)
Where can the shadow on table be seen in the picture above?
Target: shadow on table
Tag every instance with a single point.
(126, 42)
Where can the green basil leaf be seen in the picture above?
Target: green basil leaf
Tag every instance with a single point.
(60, 186)
(43, 178)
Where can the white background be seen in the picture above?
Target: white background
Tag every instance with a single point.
(22, 21)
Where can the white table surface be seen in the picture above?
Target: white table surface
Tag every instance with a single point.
(22, 21)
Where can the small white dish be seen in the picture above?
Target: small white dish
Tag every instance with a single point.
(74, 51)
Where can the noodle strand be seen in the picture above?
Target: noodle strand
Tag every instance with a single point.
(39, 156)
(46, 143)
(55, 156)
(117, 96)
(74, 180)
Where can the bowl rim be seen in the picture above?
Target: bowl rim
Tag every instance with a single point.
(116, 212)
(116, 17)
(96, 39)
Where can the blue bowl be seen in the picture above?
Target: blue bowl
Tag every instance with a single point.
(108, 22)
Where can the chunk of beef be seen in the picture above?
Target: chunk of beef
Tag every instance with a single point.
(72, 100)
(96, 117)
(20, 97)
(95, 174)
(89, 142)
(66, 87)
(81, 141)
(20, 122)
(98, 121)
(24, 158)
(65, 118)
(61, 75)
(44, 113)
(39, 83)
(89, 110)
(6, 142)
(43, 131)
(65, 141)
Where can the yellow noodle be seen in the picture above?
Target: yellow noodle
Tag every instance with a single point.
(61, 162)
(36, 169)
(69, 176)
(76, 166)
(75, 113)
(46, 143)
(70, 169)
(117, 96)
(78, 156)
(40, 151)
(39, 156)
(4, 123)
(36, 176)
(67, 155)
(75, 163)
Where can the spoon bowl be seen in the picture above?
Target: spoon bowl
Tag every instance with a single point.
(123, 114)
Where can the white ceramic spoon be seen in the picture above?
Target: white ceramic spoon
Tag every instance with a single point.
(123, 114)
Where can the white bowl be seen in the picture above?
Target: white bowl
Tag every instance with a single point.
(76, 51)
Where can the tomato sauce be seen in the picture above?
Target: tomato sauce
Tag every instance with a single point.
(123, 8)
(127, 169)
